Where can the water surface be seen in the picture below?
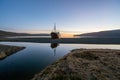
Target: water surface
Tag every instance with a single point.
(29, 37)
(36, 56)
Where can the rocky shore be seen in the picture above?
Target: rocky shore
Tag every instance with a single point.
(6, 50)
(84, 64)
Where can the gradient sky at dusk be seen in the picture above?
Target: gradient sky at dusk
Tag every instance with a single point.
(69, 15)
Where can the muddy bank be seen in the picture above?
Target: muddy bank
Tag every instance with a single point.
(84, 64)
(6, 50)
(66, 40)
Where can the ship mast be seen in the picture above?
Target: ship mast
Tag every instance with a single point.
(54, 27)
(54, 33)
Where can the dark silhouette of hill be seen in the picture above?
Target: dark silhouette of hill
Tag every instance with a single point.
(6, 33)
(102, 34)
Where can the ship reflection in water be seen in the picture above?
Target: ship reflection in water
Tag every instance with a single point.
(54, 47)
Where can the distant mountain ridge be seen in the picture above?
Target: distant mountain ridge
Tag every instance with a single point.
(6, 33)
(102, 34)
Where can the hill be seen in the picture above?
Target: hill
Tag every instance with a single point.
(102, 34)
(6, 33)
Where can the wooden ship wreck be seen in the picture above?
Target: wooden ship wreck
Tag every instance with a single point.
(55, 34)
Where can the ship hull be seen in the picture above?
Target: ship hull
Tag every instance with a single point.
(54, 35)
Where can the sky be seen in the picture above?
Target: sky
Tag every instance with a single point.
(71, 16)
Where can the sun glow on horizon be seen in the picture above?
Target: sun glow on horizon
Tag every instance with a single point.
(67, 35)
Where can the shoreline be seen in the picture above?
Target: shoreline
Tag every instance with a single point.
(66, 40)
(6, 50)
(84, 64)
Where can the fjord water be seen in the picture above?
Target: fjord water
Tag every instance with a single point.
(36, 56)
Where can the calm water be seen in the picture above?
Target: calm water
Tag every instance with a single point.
(25, 63)
(30, 37)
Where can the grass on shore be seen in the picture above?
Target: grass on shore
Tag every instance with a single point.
(6, 50)
(84, 64)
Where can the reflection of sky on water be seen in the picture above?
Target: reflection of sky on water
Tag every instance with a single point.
(36, 56)
(30, 37)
